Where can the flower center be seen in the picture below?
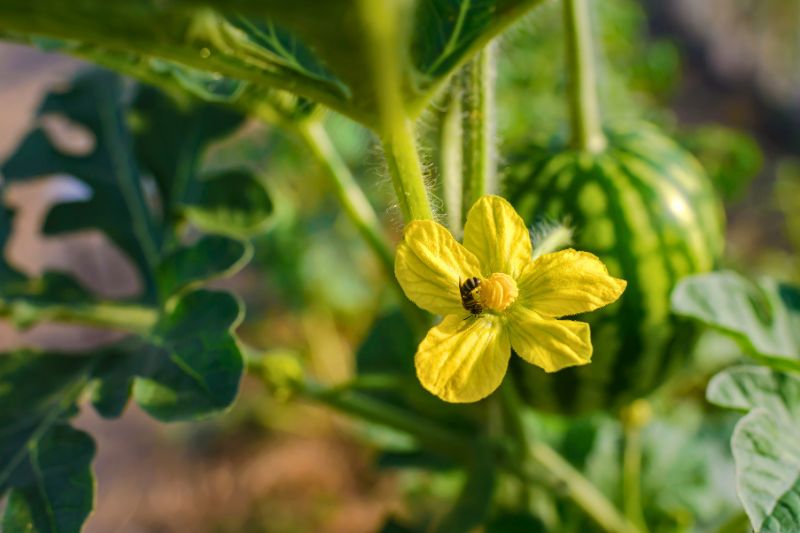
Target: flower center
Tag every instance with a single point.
(498, 291)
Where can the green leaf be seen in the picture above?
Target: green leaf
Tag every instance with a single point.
(210, 257)
(765, 318)
(46, 463)
(331, 52)
(229, 203)
(448, 30)
(195, 365)
(9, 276)
(59, 494)
(765, 443)
(117, 205)
(171, 137)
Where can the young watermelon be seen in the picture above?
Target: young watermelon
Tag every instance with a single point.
(646, 208)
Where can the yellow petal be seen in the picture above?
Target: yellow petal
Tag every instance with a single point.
(567, 283)
(497, 235)
(463, 360)
(547, 343)
(430, 266)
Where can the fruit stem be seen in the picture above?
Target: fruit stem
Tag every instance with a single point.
(587, 131)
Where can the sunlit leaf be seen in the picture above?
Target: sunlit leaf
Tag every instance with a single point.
(765, 443)
(765, 318)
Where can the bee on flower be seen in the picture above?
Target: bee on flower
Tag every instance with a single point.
(494, 297)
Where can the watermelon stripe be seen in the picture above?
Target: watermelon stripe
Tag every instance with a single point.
(623, 205)
(648, 366)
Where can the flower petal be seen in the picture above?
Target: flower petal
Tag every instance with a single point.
(567, 283)
(430, 266)
(463, 360)
(547, 343)
(497, 235)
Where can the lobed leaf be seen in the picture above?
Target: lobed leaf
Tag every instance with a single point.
(117, 205)
(46, 463)
(764, 443)
(229, 203)
(764, 317)
(59, 493)
(332, 57)
(210, 257)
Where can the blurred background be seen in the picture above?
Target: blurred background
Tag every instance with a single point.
(721, 76)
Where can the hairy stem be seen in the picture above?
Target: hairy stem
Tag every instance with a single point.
(479, 158)
(347, 191)
(387, 35)
(450, 160)
(587, 132)
(405, 168)
(358, 210)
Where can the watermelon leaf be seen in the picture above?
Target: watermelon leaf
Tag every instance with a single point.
(764, 443)
(763, 317)
(58, 492)
(46, 463)
(117, 205)
(210, 257)
(218, 48)
(181, 360)
(193, 365)
(229, 203)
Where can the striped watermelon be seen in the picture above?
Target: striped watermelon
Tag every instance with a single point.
(647, 209)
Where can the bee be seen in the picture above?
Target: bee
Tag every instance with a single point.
(468, 293)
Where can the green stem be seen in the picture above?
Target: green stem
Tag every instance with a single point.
(123, 317)
(450, 159)
(382, 22)
(347, 191)
(358, 210)
(587, 132)
(428, 433)
(479, 158)
(579, 489)
(559, 474)
(631, 477)
(405, 168)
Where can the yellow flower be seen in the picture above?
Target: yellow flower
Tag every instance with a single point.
(515, 302)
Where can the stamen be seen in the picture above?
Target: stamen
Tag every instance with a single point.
(498, 292)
